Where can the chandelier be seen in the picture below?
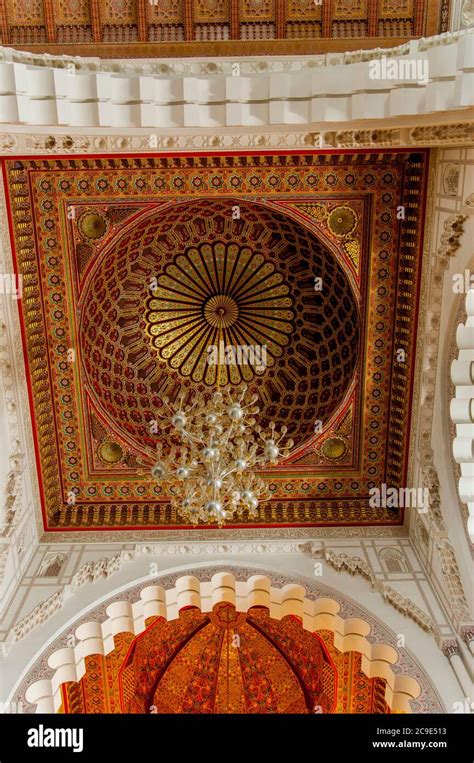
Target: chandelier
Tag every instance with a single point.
(215, 444)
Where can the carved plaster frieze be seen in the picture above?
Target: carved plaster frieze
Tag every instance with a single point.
(438, 135)
(428, 354)
(248, 65)
(42, 612)
(183, 67)
(428, 350)
(106, 567)
(60, 141)
(11, 507)
(88, 573)
(163, 537)
(357, 566)
(352, 564)
(452, 579)
(408, 608)
(3, 561)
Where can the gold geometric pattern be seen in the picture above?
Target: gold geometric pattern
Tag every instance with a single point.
(352, 249)
(91, 225)
(334, 448)
(337, 377)
(235, 284)
(218, 293)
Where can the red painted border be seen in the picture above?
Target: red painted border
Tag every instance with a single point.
(24, 349)
(217, 152)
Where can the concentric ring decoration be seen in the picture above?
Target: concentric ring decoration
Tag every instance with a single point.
(218, 293)
(188, 279)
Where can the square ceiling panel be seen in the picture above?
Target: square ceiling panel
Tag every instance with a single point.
(129, 264)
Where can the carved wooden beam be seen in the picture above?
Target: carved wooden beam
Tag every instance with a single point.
(48, 10)
(4, 24)
(373, 18)
(280, 18)
(95, 21)
(444, 16)
(188, 20)
(419, 18)
(234, 20)
(142, 19)
(433, 17)
(327, 20)
(210, 48)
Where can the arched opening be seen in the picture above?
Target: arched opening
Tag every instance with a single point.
(226, 645)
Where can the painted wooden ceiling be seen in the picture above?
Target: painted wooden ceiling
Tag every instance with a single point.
(155, 28)
(322, 265)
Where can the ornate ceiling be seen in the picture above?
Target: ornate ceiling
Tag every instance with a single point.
(133, 266)
(141, 28)
(225, 662)
(257, 271)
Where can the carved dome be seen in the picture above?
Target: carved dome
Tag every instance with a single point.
(197, 275)
(228, 662)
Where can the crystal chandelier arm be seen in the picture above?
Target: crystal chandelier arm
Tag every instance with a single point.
(229, 433)
(193, 439)
(231, 470)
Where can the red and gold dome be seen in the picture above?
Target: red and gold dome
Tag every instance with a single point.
(225, 661)
(184, 279)
(228, 662)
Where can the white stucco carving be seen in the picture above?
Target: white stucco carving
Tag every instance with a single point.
(462, 409)
(44, 90)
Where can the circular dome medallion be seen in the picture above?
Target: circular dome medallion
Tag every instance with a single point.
(215, 299)
(110, 452)
(221, 311)
(190, 278)
(342, 221)
(334, 448)
(92, 225)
